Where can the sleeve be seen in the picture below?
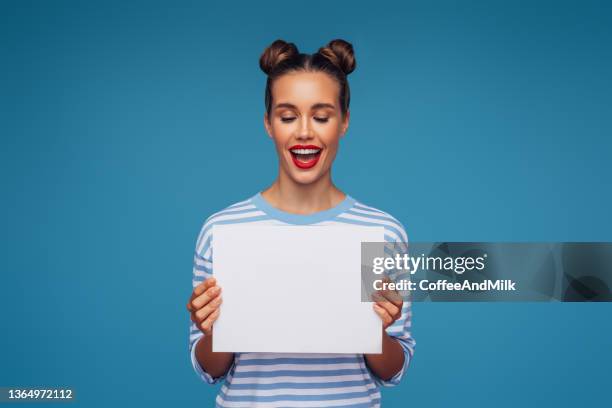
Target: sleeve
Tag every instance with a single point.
(400, 329)
(202, 269)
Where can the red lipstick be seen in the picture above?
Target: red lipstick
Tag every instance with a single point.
(305, 156)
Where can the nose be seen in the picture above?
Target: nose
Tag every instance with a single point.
(305, 132)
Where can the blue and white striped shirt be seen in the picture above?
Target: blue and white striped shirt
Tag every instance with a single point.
(299, 380)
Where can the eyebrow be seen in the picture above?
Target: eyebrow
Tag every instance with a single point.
(320, 105)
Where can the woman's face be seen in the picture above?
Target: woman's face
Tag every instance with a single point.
(306, 124)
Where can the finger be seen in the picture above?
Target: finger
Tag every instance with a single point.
(377, 296)
(211, 307)
(389, 307)
(214, 316)
(202, 287)
(392, 296)
(194, 294)
(388, 296)
(384, 315)
(205, 297)
(207, 324)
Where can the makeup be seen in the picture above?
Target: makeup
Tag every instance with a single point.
(305, 156)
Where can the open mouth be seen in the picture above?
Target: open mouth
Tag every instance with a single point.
(305, 157)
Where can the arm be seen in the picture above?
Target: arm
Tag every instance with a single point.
(389, 367)
(390, 362)
(215, 364)
(203, 306)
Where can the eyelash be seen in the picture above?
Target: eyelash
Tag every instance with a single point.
(321, 120)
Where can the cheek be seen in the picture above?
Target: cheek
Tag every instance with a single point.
(331, 139)
(279, 140)
(282, 133)
(331, 153)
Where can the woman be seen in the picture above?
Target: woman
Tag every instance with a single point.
(307, 113)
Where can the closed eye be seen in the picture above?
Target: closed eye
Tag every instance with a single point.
(288, 119)
(322, 120)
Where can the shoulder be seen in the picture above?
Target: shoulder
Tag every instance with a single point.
(235, 211)
(366, 213)
(242, 211)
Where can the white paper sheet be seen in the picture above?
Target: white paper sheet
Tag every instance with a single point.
(293, 289)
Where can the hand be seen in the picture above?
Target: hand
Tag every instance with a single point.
(204, 305)
(388, 305)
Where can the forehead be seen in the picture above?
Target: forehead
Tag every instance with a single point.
(305, 89)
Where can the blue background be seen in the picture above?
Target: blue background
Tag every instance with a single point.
(125, 124)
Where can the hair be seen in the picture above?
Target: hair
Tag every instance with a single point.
(336, 59)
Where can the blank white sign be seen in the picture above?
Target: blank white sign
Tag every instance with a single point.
(293, 289)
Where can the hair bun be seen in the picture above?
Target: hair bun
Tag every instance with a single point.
(341, 54)
(275, 54)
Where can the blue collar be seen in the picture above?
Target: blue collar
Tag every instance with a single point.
(301, 219)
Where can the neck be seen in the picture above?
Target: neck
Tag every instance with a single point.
(289, 196)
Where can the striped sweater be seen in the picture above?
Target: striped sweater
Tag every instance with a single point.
(299, 380)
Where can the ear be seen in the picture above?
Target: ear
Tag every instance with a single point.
(267, 125)
(345, 123)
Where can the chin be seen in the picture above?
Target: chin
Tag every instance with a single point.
(305, 179)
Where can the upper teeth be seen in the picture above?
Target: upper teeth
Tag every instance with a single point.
(305, 151)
